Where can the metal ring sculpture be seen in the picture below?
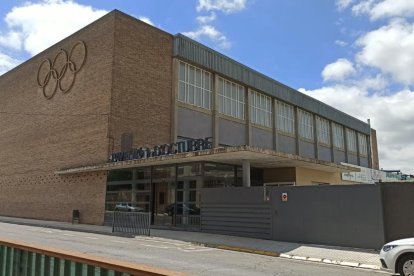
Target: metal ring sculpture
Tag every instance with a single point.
(56, 75)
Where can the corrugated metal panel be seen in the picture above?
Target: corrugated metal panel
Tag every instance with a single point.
(249, 220)
(190, 50)
(246, 215)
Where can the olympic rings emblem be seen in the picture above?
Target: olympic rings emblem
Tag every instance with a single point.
(52, 80)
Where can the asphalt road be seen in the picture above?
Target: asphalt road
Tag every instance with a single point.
(174, 255)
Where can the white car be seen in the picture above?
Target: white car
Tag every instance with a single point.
(398, 257)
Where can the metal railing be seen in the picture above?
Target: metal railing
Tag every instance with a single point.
(22, 259)
(138, 223)
(189, 220)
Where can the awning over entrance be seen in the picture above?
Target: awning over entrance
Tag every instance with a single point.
(259, 158)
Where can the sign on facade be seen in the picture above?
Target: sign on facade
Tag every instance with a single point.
(189, 145)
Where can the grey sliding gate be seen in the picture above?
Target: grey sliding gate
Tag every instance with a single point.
(236, 211)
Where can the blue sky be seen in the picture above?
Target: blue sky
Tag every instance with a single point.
(291, 40)
(357, 55)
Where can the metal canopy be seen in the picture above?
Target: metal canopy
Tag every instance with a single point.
(259, 158)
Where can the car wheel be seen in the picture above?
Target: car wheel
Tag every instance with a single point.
(405, 266)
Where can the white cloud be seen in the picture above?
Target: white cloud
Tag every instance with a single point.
(343, 4)
(211, 33)
(377, 83)
(226, 6)
(363, 7)
(391, 50)
(7, 63)
(338, 71)
(341, 43)
(35, 26)
(206, 28)
(385, 8)
(391, 115)
(384, 59)
(12, 40)
(146, 20)
(391, 8)
(205, 19)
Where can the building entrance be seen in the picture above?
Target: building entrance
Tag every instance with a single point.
(163, 195)
(171, 193)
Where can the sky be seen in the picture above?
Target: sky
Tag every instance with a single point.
(356, 55)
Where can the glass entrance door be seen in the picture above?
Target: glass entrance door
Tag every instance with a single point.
(189, 183)
(188, 204)
(163, 193)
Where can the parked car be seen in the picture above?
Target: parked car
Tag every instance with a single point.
(398, 257)
(190, 209)
(126, 207)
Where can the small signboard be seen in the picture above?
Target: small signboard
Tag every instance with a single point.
(284, 197)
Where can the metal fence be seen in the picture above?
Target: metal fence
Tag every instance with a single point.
(138, 223)
(21, 259)
(188, 221)
(15, 262)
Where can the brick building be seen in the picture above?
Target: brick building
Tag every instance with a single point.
(122, 112)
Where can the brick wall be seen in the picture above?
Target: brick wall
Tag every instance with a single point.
(40, 136)
(53, 197)
(142, 88)
(123, 88)
(374, 150)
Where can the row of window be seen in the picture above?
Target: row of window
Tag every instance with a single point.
(195, 88)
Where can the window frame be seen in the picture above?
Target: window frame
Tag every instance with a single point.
(338, 143)
(285, 123)
(231, 99)
(363, 147)
(351, 147)
(195, 90)
(306, 131)
(260, 104)
(323, 131)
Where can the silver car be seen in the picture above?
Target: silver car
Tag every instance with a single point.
(398, 257)
(126, 207)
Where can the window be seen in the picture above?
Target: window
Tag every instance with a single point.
(285, 118)
(351, 140)
(338, 136)
(324, 136)
(305, 125)
(194, 86)
(363, 145)
(260, 109)
(231, 98)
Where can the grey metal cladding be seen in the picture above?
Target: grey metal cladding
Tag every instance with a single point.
(236, 211)
(246, 220)
(188, 49)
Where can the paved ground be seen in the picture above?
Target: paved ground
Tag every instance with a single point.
(173, 254)
(327, 254)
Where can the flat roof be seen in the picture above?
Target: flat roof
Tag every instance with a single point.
(258, 157)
